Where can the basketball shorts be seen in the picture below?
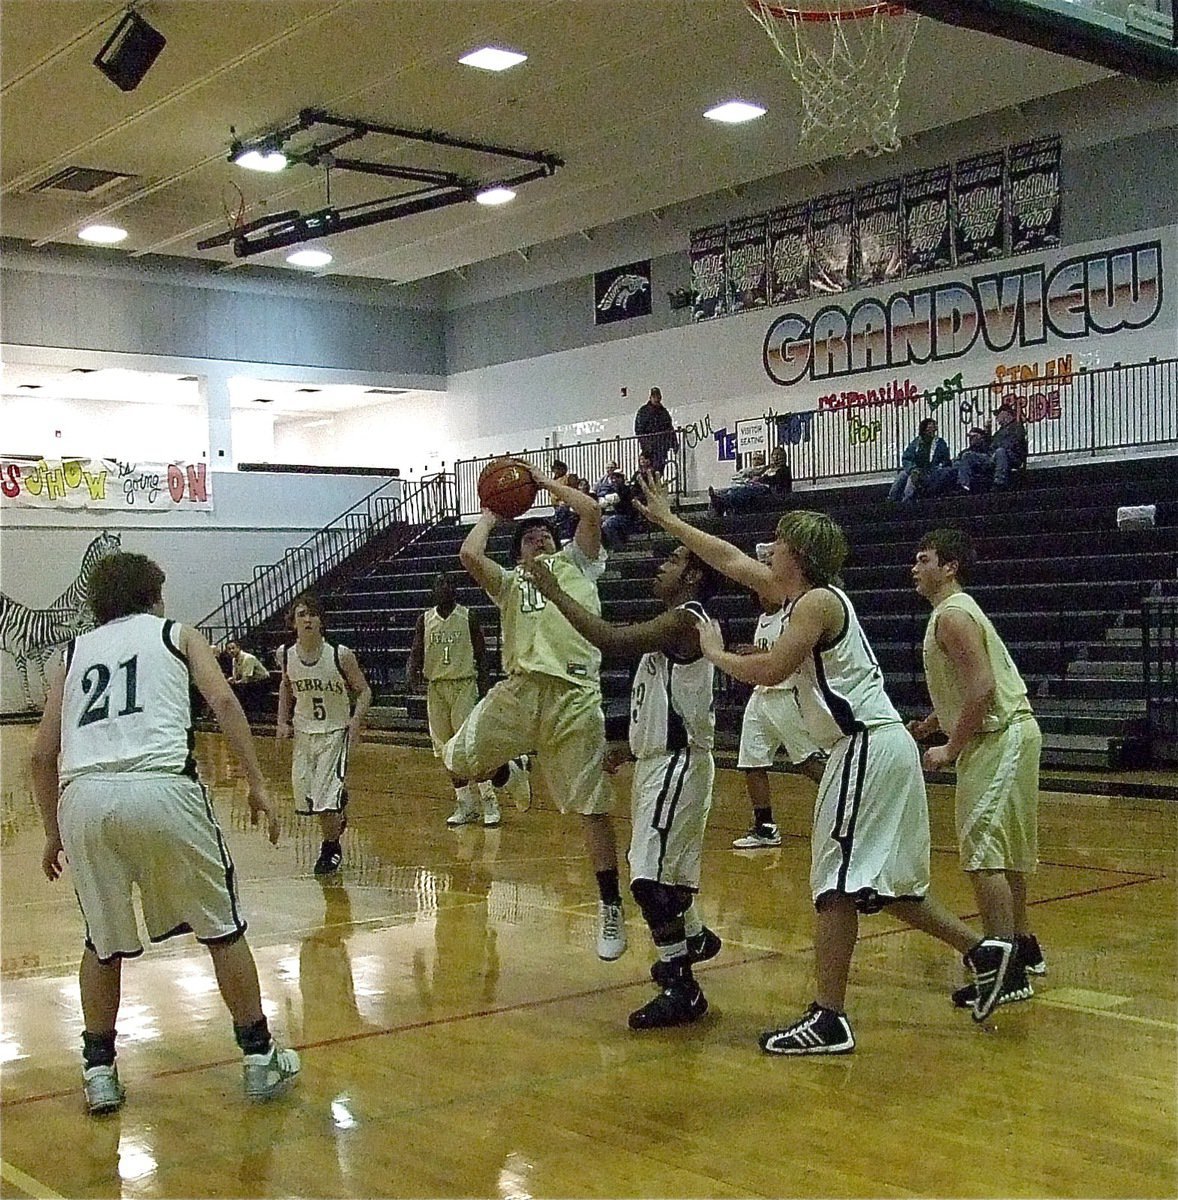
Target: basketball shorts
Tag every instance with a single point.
(772, 721)
(871, 832)
(671, 799)
(156, 831)
(448, 702)
(997, 800)
(529, 713)
(318, 768)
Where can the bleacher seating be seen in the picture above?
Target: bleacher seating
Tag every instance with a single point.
(1062, 584)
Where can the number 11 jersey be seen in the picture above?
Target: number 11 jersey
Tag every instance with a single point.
(126, 704)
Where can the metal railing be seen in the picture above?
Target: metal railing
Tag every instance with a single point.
(853, 434)
(399, 519)
(1159, 648)
(586, 460)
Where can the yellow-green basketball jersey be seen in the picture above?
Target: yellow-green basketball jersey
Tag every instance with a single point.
(945, 687)
(536, 636)
(449, 653)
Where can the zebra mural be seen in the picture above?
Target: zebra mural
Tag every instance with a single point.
(32, 634)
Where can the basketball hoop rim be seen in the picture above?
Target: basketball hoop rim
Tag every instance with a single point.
(785, 12)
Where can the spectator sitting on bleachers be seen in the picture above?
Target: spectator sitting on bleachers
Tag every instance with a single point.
(924, 457)
(1005, 453)
(565, 517)
(249, 679)
(619, 519)
(605, 484)
(757, 486)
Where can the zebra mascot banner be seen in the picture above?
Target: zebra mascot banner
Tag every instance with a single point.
(104, 483)
(29, 635)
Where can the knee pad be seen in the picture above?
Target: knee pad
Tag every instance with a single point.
(661, 903)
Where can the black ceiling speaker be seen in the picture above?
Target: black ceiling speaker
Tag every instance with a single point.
(129, 52)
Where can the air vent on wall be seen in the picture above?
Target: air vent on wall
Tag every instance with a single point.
(386, 391)
(86, 181)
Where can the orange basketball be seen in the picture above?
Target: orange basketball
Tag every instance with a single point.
(506, 488)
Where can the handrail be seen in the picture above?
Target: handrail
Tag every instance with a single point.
(247, 605)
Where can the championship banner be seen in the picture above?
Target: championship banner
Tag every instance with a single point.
(708, 277)
(928, 233)
(831, 236)
(980, 207)
(105, 484)
(748, 267)
(789, 253)
(621, 293)
(1034, 196)
(877, 232)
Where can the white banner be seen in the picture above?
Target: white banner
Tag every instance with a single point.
(105, 484)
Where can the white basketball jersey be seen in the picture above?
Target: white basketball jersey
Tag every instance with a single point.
(126, 703)
(322, 703)
(769, 627)
(841, 688)
(671, 704)
(449, 652)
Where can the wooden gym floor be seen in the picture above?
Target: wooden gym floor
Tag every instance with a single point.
(460, 1038)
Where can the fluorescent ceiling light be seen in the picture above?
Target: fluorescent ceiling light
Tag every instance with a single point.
(734, 112)
(309, 258)
(495, 195)
(491, 58)
(261, 160)
(102, 235)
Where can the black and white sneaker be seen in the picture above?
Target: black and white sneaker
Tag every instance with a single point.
(1015, 987)
(679, 1004)
(758, 837)
(1030, 956)
(704, 945)
(989, 961)
(820, 1031)
(330, 858)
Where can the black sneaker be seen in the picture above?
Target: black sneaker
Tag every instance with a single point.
(679, 1004)
(704, 945)
(820, 1031)
(330, 857)
(1015, 987)
(1030, 956)
(989, 961)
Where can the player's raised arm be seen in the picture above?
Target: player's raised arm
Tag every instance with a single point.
(484, 570)
(587, 508)
(724, 556)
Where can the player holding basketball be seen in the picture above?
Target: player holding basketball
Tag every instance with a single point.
(672, 730)
(980, 704)
(870, 840)
(116, 735)
(550, 700)
(326, 690)
(449, 656)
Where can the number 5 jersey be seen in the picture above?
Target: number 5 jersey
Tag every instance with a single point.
(322, 703)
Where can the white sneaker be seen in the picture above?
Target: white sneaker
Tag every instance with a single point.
(462, 816)
(757, 837)
(104, 1092)
(611, 934)
(265, 1076)
(519, 783)
(491, 814)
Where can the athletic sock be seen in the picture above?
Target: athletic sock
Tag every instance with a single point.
(607, 886)
(98, 1049)
(763, 816)
(692, 923)
(253, 1039)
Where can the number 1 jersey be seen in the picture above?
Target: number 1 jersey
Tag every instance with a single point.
(126, 704)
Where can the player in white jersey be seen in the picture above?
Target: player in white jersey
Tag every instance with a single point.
(772, 722)
(980, 703)
(550, 700)
(325, 690)
(672, 730)
(870, 840)
(116, 738)
(449, 656)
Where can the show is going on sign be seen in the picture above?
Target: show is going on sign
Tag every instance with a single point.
(105, 484)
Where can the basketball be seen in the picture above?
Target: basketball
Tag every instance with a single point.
(506, 488)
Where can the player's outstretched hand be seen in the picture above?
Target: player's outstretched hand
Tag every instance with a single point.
(615, 755)
(656, 506)
(260, 806)
(539, 573)
(923, 730)
(539, 478)
(51, 858)
(711, 640)
(937, 758)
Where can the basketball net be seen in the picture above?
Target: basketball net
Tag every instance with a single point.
(849, 63)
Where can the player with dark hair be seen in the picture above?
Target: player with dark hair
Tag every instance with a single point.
(323, 698)
(116, 738)
(550, 700)
(672, 730)
(980, 704)
(870, 842)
